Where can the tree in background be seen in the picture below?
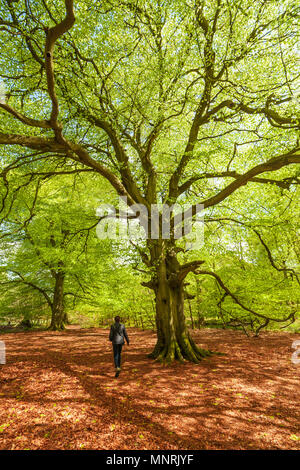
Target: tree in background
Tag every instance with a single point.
(170, 102)
(49, 249)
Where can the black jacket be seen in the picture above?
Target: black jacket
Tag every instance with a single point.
(117, 334)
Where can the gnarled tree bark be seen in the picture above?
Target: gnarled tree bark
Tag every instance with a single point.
(173, 338)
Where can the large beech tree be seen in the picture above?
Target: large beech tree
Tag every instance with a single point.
(169, 101)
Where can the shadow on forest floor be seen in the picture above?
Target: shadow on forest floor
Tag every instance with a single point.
(58, 391)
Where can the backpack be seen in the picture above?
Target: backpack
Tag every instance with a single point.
(116, 330)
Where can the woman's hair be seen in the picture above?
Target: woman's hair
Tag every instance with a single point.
(117, 319)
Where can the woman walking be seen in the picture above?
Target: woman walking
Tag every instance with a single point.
(116, 336)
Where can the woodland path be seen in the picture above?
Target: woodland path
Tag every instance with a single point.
(58, 391)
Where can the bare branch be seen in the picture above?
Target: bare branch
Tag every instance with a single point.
(52, 35)
(233, 296)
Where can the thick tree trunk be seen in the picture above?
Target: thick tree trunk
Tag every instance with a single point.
(58, 314)
(173, 339)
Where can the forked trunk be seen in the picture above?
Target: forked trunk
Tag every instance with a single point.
(173, 338)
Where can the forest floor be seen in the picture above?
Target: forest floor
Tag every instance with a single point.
(58, 391)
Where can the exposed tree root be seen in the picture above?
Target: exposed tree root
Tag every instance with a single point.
(181, 349)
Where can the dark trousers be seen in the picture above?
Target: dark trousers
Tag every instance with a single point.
(117, 348)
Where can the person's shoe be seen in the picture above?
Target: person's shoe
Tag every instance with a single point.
(117, 373)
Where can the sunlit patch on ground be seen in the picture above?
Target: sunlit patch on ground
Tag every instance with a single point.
(58, 391)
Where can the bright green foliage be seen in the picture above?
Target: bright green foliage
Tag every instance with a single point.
(162, 102)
